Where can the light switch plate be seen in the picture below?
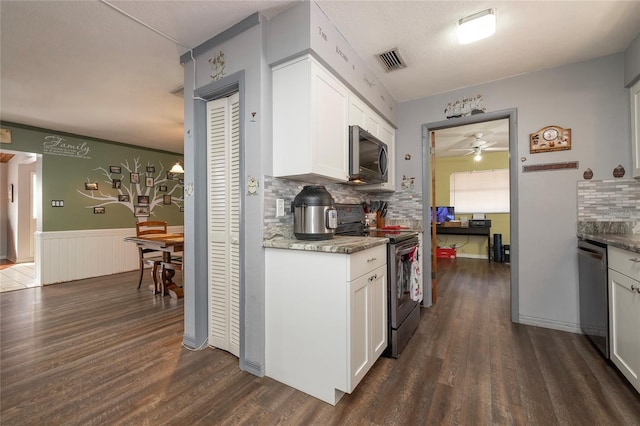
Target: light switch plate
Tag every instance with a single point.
(279, 207)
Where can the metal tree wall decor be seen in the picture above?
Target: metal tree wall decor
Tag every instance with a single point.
(126, 193)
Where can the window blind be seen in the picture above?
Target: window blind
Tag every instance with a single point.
(485, 191)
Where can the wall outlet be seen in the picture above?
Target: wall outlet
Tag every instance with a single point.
(279, 207)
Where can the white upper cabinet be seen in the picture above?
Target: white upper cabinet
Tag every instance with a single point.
(635, 129)
(357, 112)
(310, 129)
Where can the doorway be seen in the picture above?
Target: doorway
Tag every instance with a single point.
(19, 218)
(428, 131)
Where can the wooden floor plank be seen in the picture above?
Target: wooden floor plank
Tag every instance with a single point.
(100, 351)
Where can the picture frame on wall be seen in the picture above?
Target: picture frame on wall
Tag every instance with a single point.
(5, 135)
(98, 210)
(115, 169)
(123, 198)
(151, 169)
(134, 177)
(169, 176)
(149, 182)
(141, 211)
(166, 199)
(162, 188)
(91, 186)
(11, 193)
(143, 200)
(116, 183)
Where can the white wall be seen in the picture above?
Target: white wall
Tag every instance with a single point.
(588, 97)
(244, 53)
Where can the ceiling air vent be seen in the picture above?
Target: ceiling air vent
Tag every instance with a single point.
(392, 60)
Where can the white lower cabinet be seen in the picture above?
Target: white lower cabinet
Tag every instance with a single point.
(326, 318)
(624, 312)
(368, 325)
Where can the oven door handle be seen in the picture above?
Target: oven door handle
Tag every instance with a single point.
(401, 251)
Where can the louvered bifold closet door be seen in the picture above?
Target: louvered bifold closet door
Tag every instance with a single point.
(223, 167)
(234, 250)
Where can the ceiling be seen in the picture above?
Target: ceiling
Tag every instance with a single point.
(458, 141)
(83, 67)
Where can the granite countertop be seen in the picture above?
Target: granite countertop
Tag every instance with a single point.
(344, 245)
(281, 237)
(629, 242)
(623, 235)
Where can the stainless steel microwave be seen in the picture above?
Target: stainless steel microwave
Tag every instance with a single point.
(368, 157)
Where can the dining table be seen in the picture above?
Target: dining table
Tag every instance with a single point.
(169, 245)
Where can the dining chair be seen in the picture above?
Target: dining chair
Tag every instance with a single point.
(168, 272)
(150, 257)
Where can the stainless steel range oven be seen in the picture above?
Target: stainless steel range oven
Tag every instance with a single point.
(402, 252)
(404, 312)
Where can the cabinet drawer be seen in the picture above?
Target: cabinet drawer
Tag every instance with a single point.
(624, 261)
(367, 260)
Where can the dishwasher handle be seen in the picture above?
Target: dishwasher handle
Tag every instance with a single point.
(583, 251)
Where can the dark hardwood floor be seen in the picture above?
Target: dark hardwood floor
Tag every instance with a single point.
(99, 351)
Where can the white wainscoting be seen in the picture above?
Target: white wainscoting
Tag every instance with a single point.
(75, 255)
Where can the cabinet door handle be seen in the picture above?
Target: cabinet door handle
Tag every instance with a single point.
(373, 277)
(373, 259)
(634, 288)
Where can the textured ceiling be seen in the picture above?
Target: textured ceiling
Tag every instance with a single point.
(85, 68)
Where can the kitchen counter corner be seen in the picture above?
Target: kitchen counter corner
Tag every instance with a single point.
(623, 235)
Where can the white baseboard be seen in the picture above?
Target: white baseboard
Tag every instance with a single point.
(74, 255)
(552, 324)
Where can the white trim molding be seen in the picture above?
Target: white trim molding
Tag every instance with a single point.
(74, 255)
(549, 323)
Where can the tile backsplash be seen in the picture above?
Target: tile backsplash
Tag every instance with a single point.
(405, 204)
(613, 200)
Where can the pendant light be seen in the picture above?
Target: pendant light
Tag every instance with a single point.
(177, 168)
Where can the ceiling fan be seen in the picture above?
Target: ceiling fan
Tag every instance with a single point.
(478, 146)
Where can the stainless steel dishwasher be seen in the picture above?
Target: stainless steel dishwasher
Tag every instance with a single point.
(594, 304)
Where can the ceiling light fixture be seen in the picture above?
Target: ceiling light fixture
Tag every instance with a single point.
(477, 26)
(478, 155)
(177, 168)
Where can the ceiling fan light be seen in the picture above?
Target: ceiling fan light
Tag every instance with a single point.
(177, 168)
(478, 156)
(477, 26)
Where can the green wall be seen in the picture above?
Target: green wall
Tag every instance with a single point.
(500, 223)
(69, 161)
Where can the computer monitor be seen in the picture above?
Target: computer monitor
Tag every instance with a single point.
(443, 214)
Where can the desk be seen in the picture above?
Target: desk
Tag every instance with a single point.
(167, 244)
(468, 230)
